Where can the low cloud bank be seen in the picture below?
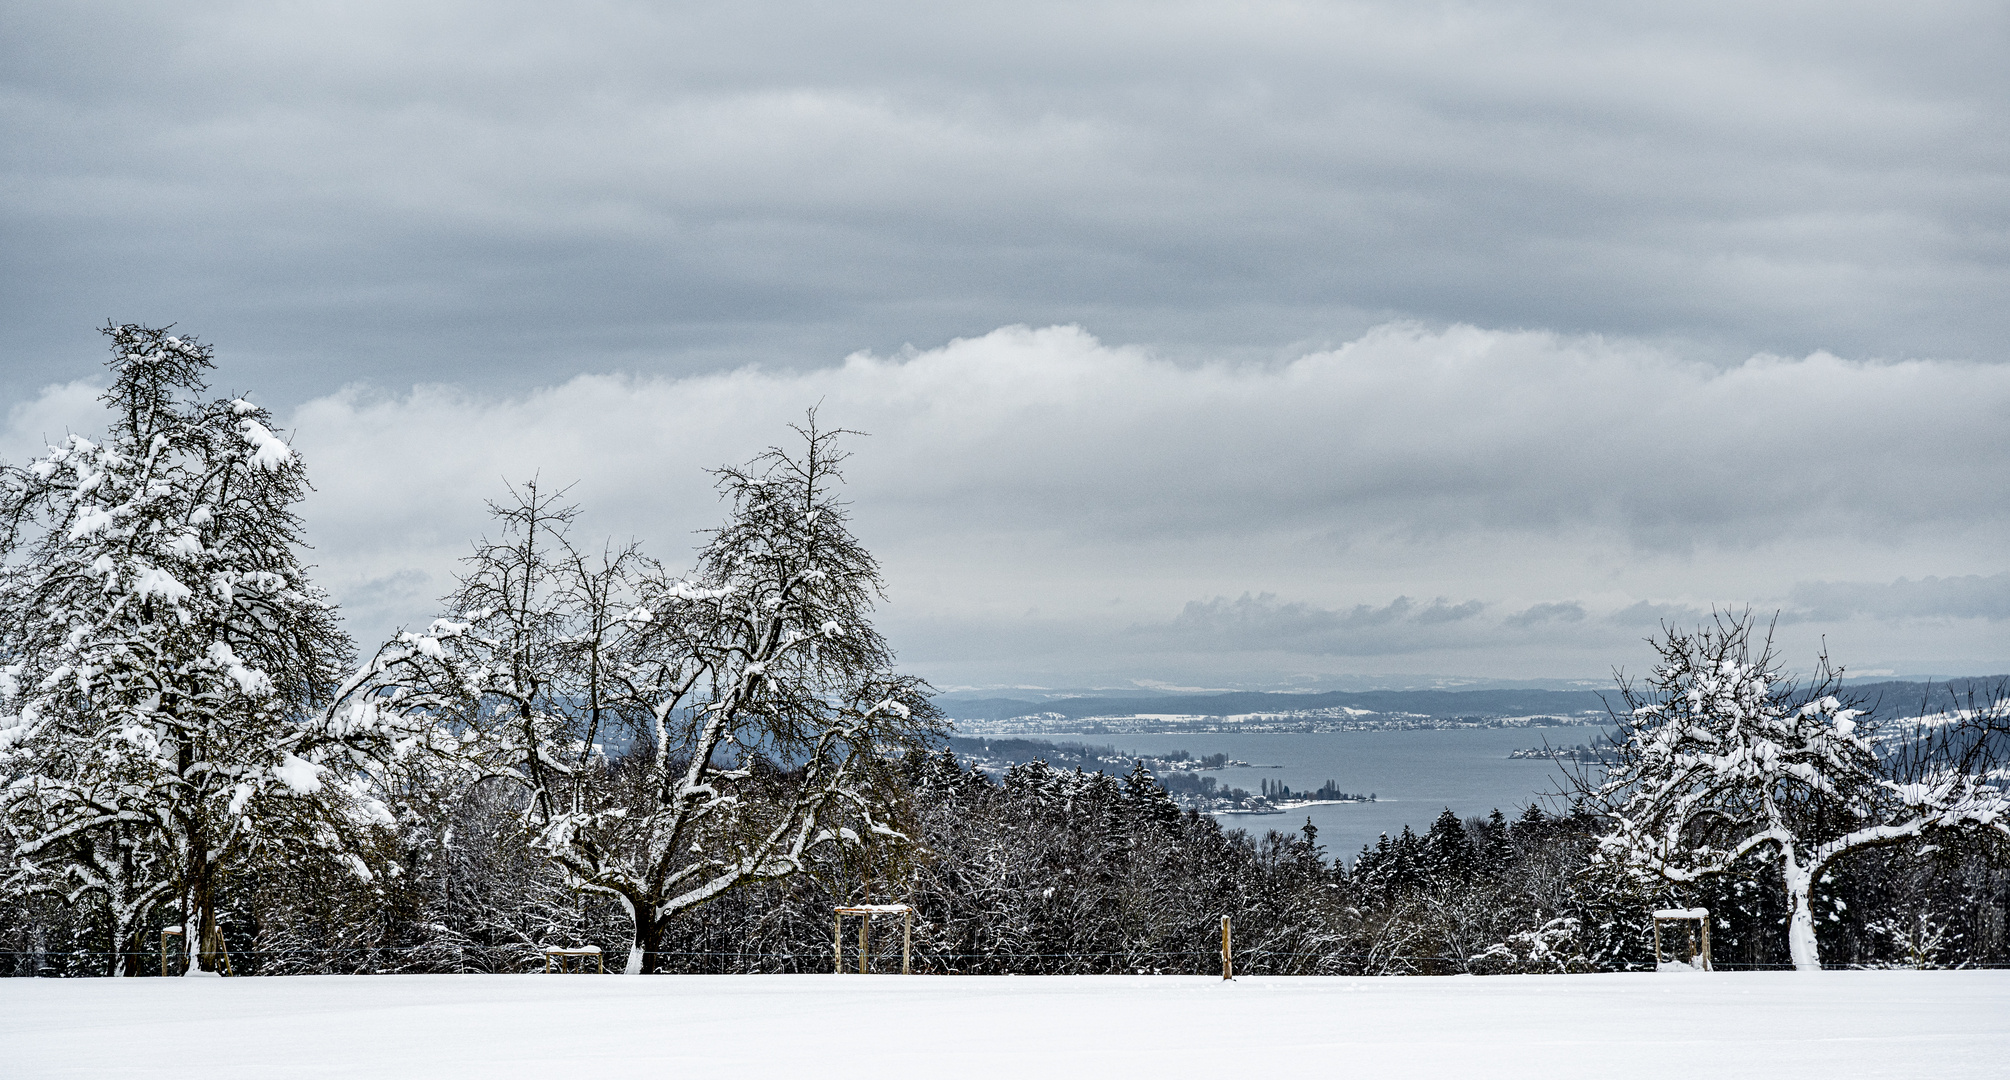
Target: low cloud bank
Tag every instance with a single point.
(1970, 597)
(1552, 495)
(1266, 623)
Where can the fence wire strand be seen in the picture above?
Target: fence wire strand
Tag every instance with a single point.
(531, 959)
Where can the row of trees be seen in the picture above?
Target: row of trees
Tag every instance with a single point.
(178, 705)
(690, 769)
(1064, 872)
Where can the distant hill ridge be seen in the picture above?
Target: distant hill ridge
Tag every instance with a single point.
(1887, 698)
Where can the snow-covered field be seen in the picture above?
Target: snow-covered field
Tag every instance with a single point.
(1777, 1025)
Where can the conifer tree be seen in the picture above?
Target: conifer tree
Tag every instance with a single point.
(166, 653)
(1449, 849)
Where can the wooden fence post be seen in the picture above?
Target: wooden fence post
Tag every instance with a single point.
(1227, 956)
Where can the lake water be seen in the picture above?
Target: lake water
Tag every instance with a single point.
(1414, 775)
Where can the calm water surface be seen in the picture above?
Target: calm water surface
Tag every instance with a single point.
(1414, 775)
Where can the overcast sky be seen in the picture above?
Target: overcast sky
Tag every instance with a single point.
(1199, 345)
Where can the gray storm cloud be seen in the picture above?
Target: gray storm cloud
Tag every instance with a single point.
(1464, 501)
(505, 194)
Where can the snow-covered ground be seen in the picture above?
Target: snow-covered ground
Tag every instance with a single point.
(1777, 1025)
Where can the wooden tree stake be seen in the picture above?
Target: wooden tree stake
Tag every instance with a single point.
(1227, 956)
(172, 931)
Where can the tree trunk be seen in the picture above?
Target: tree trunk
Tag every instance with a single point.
(214, 958)
(645, 951)
(38, 945)
(1801, 926)
(128, 947)
(127, 902)
(200, 934)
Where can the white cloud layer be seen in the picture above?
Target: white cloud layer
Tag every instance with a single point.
(1051, 509)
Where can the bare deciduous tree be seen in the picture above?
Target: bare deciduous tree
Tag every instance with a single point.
(761, 704)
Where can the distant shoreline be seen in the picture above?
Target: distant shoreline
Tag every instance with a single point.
(1253, 724)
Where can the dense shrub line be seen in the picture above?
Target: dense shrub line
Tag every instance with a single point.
(1060, 872)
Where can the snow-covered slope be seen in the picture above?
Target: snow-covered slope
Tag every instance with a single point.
(1777, 1025)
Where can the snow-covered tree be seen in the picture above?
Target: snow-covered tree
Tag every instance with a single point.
(761, 704)
(522, 663)
(771, 708)
(1725, 760)
(166, 657)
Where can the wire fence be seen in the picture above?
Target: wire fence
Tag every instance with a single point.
(46, 963)
(490, 959)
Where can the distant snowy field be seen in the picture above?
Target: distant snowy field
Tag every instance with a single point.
(1778, 1025)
